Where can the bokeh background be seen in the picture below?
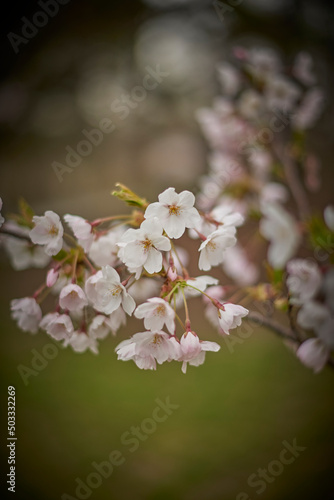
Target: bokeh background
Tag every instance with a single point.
(237, 409)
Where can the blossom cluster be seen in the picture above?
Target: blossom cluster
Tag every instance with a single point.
(112, 268)
(260, 165)
(251, 220)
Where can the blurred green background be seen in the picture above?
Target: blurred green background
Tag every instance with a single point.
(235, 410)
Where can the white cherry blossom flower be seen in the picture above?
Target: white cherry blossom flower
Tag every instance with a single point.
(329, 217)
(237, 266)
(225, 215)
(213, 248)
(193, 350)
(72, 297)
(302, 69)
(304, 280)
(82, 230)
(263, 62)
(2, 220)
(200, 283)
(176, 212)
(156, 313)
(281, 93)
(142, 247)
(81, 341)
(147, 348)
(48, 231)
(313, 354)
(58, 326)
(281, 229)
(23, 254)
(102, 325)
(312, 314)
(27, 313)
(106, 292)
(104, 249)
(230, 316)
(273, 192)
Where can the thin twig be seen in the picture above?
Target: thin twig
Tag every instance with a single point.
(273, 325)
(294, 183)
(9, 232)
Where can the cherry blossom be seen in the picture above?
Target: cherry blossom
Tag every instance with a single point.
(27, 313)
(175, 212)
(237, 266)
(101, 325)
(81, 341)
(280, 228)
(106, 292)
(72, 297)
(23, 254)
(58, 326)
(212, 249)
(142, 247)
(304, 280)
(82, 230)
(147, 348)
(48, 231)
(302, 69)
(312, 314)
(281, 93)
(230, 316)
(156, 313)
(193, 350)
(103, 251)
(313, 354)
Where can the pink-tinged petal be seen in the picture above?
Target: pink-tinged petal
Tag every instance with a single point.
(169, 197)
(186, 199)
(151, 226)
(174, 226)
(161, 243)
(313, 354)
(192, 218)
(128, 303)
(153, 263)
(204, 263)
(110, 274)
(146, 363)
(134, 254)
(155, 210)
(210, 346)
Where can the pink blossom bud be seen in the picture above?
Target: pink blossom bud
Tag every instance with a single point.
(171, 273)
(51, 277)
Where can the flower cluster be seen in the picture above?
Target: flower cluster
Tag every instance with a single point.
(103, 271)
(253, 221)
(257, 134)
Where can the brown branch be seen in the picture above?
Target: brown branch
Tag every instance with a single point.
(273, 325)
(14, 234)
(293, 182)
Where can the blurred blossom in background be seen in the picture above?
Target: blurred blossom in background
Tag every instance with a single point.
(89, 63)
